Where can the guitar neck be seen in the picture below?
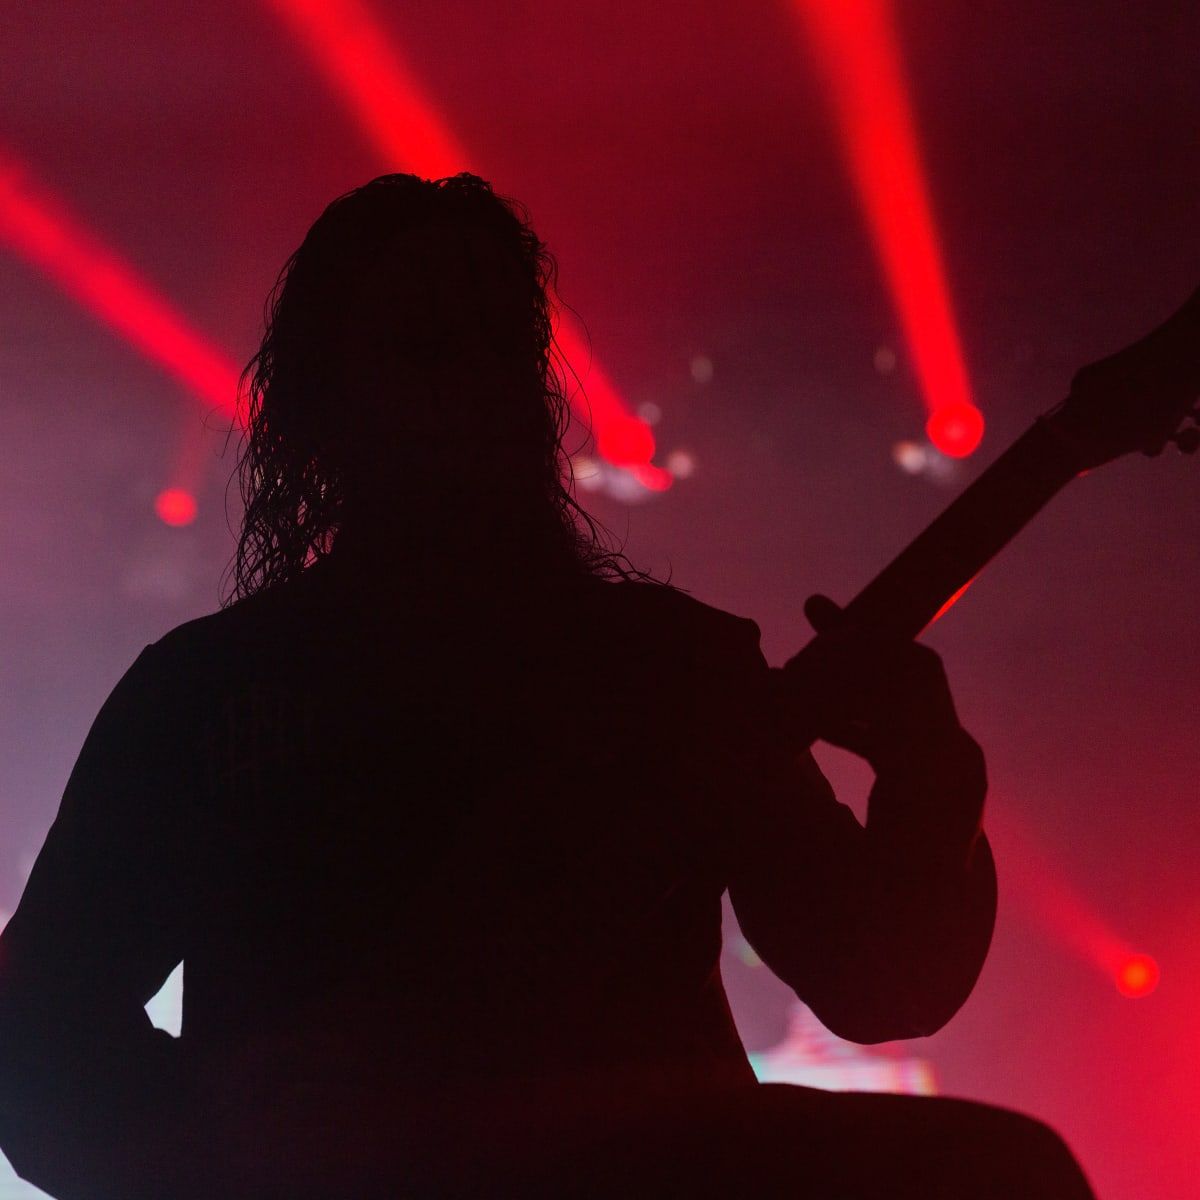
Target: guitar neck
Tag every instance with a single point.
(910, 592)
(914, 588)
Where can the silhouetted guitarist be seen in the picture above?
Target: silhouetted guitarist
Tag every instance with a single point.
(439, 812)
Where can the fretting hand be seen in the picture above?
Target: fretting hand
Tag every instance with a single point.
(886, 699)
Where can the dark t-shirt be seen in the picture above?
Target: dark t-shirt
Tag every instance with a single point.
(443, 866)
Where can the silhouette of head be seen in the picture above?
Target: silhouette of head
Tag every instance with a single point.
(405, 389)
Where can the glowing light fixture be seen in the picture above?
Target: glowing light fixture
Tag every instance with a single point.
(955, 429)
(175, 506)
(366, 69)
(858, 52)
(1138, 976)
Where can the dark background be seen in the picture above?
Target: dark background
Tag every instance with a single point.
(681, 161)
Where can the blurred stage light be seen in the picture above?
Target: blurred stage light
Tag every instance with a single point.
(811, 1056)
(926, 460)
(1138, 976)
(588, 473)
(652, 478)
(910, 457)
(363, 65)
(628, 484)
(175, 506)
(681, 463)
(858, 51)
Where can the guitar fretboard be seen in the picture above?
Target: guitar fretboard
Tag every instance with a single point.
(911, 590)
(908, 593)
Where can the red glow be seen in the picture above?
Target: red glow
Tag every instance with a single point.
(621, 438)
(955, 429)
(954, 599)
(175, 506)
(858, 51)
(1043, 891)
(362, 64)
(1138, 976)
(40, 229)
(654, 479)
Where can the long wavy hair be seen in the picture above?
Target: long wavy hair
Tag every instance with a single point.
(365, 304)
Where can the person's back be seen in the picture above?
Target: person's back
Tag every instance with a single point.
(474, 850)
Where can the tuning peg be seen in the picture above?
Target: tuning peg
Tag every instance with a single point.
(1188, 440)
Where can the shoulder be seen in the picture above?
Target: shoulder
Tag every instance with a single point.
(227, 633)
(678, 618)
(180, 675)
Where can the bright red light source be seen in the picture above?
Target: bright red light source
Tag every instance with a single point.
(955, 429)
(624, 441)
(175, 506)
(621, 438)
(1138, 976)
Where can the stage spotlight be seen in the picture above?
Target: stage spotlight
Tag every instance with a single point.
(1138, 976)
(175, 506)
(681, 463)
(955, 429)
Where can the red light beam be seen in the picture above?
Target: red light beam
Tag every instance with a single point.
(362, 65)
(858, 51)
(38, 228)
(1050, 900)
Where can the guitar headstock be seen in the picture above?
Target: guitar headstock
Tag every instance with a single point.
(1138, 399)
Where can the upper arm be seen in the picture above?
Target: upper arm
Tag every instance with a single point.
(792, 849)
(797, 885)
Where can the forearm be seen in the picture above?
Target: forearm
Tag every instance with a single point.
(933, 882)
